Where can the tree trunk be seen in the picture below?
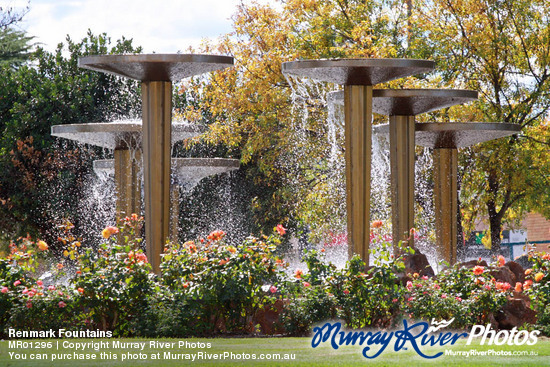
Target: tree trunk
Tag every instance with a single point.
(495, 226)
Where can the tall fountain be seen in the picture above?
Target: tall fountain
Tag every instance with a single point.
(358, 76)
(156, 73)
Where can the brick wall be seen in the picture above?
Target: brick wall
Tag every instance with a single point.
(538, 229)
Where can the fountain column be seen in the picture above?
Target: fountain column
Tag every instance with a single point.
(358, 76)
(156, 72)
(402, 105)
(157, 117)
(358, 137)
(402, 176)
(445, 170)
(127, 181)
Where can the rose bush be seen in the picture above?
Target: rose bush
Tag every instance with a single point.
(537, 285)
(469, 295)
(210, 286)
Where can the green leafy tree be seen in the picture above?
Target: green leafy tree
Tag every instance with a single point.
(14, 47)
(42, 183)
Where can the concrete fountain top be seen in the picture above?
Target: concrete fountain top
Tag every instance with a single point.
(411, 102)
(118, 134)
(357, 71)
(155, 67)
(456, 134)
(461, 134)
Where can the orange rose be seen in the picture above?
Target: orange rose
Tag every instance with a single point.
(377, 224)
(109, 231)
(43, 246)
(538, 277)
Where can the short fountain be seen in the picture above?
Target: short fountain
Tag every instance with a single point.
(445, 138)
(124, 138)
(358, 77)
(186, 174)
(156, 73)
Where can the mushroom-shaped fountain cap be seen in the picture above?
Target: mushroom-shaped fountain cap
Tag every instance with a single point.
(156, 67)
(357, 71)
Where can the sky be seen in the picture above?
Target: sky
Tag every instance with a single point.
(161, 26)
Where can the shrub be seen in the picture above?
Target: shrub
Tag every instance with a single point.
(115, 280)
(226, 284)
(537, 285)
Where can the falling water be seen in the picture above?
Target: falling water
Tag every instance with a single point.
(424, 218)
(305, 95)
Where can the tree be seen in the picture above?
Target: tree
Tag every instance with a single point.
(497, 47)
(277, 126)
(10, 15)
(500, 48)
(14, 47)
(41, 183)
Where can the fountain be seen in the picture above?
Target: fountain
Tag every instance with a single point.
(445, 139)
(124, 137)
(187, 173)
(156, 73)
(358, 76)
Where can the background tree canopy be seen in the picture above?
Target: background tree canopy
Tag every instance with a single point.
(41, 184)
(499, 48)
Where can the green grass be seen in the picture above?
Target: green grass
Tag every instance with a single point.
(305, 355)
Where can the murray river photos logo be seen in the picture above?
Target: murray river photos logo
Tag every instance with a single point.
(418, 335)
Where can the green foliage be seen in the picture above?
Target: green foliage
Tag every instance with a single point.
(211, 287)
(358, 295)
(43, 177)
(14, 47)
(225, 282)
(539, 289)
(114, 280)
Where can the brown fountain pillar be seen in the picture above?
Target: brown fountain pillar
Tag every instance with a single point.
(157, 117)
(445, 166)
(127, 181)
(358, 137)
(402, 176)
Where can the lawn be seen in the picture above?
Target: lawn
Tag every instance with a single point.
(234, 351)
